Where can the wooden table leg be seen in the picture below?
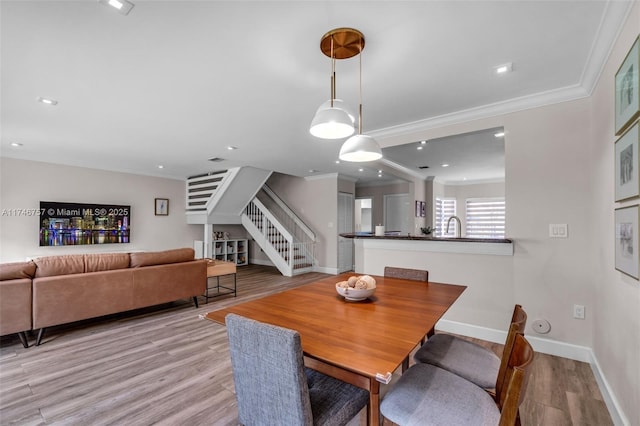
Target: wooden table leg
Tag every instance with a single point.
(374, 403)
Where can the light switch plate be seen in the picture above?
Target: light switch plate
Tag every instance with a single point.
(558, 230)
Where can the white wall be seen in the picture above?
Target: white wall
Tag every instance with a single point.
(559, 169)
(23, 184)
(315, 201)
(616, 297)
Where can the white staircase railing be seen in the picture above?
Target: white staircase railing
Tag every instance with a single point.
(289, 254)
(300, 231)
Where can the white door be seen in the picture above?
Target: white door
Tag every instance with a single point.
(396, 213)
(345, 224)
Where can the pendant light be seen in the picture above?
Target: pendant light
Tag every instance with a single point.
(333, 120)
(360, 148)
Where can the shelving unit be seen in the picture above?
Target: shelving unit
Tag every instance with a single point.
(235, 251)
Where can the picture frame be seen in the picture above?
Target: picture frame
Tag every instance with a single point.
(423, 209)
(162, 207)
(627, 254)
(627, 87)
(627, 164)
(418, 208)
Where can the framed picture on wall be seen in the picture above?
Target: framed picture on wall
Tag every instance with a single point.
(423, 209)
(627, 254)
(418, 208)
(627, 99)
(627, 164)
(162, 207)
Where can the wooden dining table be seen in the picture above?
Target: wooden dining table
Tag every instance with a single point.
(354, 341)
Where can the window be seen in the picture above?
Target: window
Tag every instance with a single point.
(485, 218)
(445, 208)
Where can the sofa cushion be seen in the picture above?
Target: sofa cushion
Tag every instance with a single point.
(162, 257)
(17, 270)
(97, 262)
(50, 266)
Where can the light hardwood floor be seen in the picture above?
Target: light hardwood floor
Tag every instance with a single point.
(164, 365)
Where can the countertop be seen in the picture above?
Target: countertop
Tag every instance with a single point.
(397, 236)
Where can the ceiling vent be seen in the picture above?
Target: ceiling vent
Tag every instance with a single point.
(423, 167)
(216, 159)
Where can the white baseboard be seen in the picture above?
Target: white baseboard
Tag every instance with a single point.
(325, 270)
(546, 346)
(263, 262)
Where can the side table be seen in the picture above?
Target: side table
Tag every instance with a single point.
(218, 268)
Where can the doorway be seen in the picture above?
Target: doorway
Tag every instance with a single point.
(345, 225)
(363, 215)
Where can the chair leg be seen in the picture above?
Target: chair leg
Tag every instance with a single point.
(405, 364)
(195, 301)
(40, 334)
(23, 339)
(431, 332)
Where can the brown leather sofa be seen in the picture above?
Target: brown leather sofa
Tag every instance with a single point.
(15, 298)
(75, 287)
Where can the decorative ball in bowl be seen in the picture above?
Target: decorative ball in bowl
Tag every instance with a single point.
(357, 288)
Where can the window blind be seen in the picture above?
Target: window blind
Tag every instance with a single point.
(445, 208)
(485, 218)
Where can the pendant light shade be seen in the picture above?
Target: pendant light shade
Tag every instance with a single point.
(332, 122)
(360, 148)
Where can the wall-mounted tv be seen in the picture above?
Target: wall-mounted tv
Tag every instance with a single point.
(71, 224)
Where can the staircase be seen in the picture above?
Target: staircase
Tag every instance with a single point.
(240, 196)
(283, 236)
(220, 197)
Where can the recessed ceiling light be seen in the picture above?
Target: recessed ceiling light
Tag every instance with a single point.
(313, 171)
(361, 170)
(379, 175)
(337, 161)
(499, 134)
(423, 142)
(160, 166)
(231, 148)
(419, 148)
(504, 68)
(16, 144)
(379, 171)
(122, 6)
(445, 165)
(47, 101)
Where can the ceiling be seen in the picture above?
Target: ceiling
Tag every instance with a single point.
(175, 82)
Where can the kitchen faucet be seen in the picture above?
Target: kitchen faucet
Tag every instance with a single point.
(458, 226)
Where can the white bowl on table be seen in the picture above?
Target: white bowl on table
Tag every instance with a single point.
(355, 295)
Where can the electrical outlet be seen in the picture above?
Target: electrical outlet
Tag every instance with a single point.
(578, 311)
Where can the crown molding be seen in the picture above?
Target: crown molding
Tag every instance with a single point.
(614, 16)
(322, 176)
(486, 111)
(613, 19)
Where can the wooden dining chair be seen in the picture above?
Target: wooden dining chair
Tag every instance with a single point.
(428, 395)
(273, 387)
(469, 360)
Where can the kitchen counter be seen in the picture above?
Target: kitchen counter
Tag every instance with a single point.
(398, 236)
(393, 241)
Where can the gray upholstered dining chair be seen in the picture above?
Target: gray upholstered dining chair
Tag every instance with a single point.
(427, 395)
(274, 388)
(414, 275)
(469, 360)
(406, 273)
